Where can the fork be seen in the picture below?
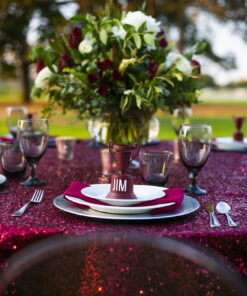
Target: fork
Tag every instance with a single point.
(36, 198)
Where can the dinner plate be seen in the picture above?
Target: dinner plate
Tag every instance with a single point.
(2, 179)
(228, 144)
(142, 192)
(188, 206)
(118, 209)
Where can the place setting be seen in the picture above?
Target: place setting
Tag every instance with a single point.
(236, 143)
(122, 200)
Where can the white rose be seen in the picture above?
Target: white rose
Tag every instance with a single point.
(85, 46)
(137, 18)
(182, 64)
(42, 79)
(119, 32)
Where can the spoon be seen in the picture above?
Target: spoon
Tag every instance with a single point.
(224, 208)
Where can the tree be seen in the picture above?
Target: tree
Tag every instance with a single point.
(177, 13)
(15, 19)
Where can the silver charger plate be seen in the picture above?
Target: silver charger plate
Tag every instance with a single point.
(189, 205)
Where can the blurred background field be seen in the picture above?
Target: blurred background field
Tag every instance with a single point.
(217, 109)
(221, 24)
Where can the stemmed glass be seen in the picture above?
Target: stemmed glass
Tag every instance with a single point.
(33, 138)
(13, 114)
(180, 116)
(194, 144)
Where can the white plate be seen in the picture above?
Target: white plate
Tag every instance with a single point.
(142, 192)
(2, 179)
(120, 210)
(229, 144)
(188, 206)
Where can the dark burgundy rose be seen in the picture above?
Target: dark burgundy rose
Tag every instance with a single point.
(196, 66)
(102, 66)
(109, 63)
(116, 75)
(64, 62)
(102, 89)
(163, 42)
(75, 37)
(40, 65)
(161, 32)
(152, 68)
(91, 77)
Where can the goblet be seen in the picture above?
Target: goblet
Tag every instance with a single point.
(180, 116)
(194, 144)
(33, 138)
(12, 161)
(13, 114)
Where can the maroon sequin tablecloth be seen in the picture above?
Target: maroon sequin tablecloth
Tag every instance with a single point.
(224, 176)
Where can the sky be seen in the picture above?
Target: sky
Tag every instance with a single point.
(224, 41)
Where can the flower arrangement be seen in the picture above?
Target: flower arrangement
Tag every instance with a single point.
(118, 66)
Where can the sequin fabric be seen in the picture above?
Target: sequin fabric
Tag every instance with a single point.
(224, 177)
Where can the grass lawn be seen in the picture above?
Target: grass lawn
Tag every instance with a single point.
(217, 114)
(222, 127)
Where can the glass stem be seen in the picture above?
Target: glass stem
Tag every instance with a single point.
(33, 169)
(192, 176)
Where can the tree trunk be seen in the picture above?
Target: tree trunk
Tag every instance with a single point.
(26, 98)
(181, 25)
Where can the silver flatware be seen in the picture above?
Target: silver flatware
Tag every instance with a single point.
(4, 192)
(224, 208)
(36, 198)
(213, 220)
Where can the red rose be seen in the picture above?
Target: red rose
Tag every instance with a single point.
(108, 63)
(91, 77)
(163, 42)
(102, 89)
(102, 66)
(75, 37)
(196, 66)
(40, 65)
(116, 75)
(152, 68)
(64, 62)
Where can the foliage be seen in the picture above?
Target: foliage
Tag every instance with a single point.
(103, 71)
(15, 20)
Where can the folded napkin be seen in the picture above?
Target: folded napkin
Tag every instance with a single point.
(172, 195)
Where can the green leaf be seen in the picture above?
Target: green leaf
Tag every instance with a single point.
(78, 18)
(179, 76)
(128, 91)
(103, 36)
(128, 27)
(132, 77)
(117, 23)
(168, 80)
(124, 103)
(138, 41)
(138, 101)
(36, 92)
(36, 53)
(160, 68)
(142, 28)
(149, 38)
(198, 48)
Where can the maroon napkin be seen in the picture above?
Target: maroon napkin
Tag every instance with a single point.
(5, 139)
(172, 195)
